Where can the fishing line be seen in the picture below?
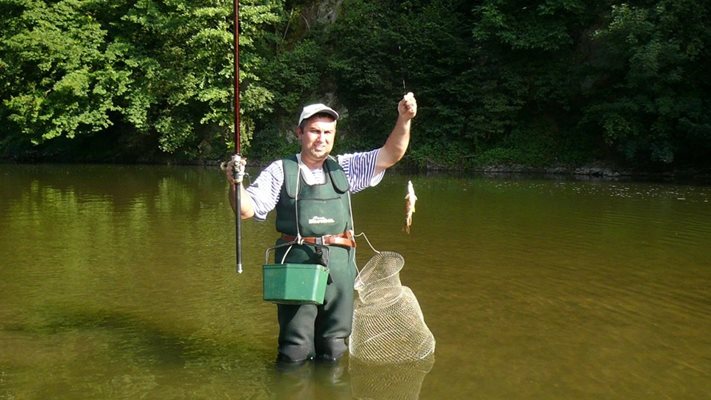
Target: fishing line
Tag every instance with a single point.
(402, 68)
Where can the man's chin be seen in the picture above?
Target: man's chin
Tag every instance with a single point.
(319, 156)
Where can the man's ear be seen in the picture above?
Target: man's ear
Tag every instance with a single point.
(298, 131)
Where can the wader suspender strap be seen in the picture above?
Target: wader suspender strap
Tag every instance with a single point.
(296, 203)
(299, 240)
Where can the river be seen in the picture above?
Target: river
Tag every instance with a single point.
(118, 282)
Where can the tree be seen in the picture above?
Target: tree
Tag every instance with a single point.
(57, 72)
(161, 68)
(650, 93)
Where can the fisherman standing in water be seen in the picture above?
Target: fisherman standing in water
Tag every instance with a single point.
(311, 194)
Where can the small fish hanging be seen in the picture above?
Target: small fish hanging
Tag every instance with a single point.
(410, 200)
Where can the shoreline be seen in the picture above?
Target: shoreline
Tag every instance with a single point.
(597, 171)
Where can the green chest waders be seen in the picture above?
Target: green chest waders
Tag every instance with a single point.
(311, 211)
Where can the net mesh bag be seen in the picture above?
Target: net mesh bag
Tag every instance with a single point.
(388, 325)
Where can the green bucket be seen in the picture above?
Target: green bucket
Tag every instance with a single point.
(294, 283)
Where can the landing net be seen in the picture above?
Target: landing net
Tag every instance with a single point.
(388, 325)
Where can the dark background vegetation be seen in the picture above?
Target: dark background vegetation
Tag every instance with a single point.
(498, 82)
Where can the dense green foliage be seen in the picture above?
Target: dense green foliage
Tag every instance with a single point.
(155, 76)
(498, 82)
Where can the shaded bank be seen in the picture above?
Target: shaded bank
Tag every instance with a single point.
(566, 82)
(601, 171)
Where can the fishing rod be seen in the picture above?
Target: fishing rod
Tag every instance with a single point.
(237, 157)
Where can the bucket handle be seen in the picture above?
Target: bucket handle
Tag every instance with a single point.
(290, 244)
(266, 253)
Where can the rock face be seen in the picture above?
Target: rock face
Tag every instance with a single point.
(319, 12)
(328, 10)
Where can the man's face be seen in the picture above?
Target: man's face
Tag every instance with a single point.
(317, 138)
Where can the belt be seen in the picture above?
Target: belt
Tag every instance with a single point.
(342, 239)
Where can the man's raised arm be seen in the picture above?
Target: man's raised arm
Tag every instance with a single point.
(396, 145)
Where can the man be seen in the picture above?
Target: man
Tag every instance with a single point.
(310, 193)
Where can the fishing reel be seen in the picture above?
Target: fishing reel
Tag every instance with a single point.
(237, 168)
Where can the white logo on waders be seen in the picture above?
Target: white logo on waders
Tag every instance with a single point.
(321, 220)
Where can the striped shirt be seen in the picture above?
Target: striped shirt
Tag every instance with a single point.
(265, 190)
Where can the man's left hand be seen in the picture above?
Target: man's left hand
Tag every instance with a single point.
(407, 107)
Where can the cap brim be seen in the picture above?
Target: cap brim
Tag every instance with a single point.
(310, 111)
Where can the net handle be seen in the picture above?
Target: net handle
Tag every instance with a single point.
(368, 241)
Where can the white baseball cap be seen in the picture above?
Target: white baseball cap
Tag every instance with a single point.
(313, 109)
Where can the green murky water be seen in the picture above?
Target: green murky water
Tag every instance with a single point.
(118, 283)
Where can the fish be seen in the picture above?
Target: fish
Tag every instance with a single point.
(410, 200)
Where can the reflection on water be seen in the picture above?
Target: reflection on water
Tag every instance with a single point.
(314, 380)
(118, 282)
(394, 381)
(351, 379)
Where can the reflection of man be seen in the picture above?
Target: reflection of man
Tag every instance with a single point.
(310, 192)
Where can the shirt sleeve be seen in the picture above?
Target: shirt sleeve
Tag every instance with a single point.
(360, 169)
(265, 190)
